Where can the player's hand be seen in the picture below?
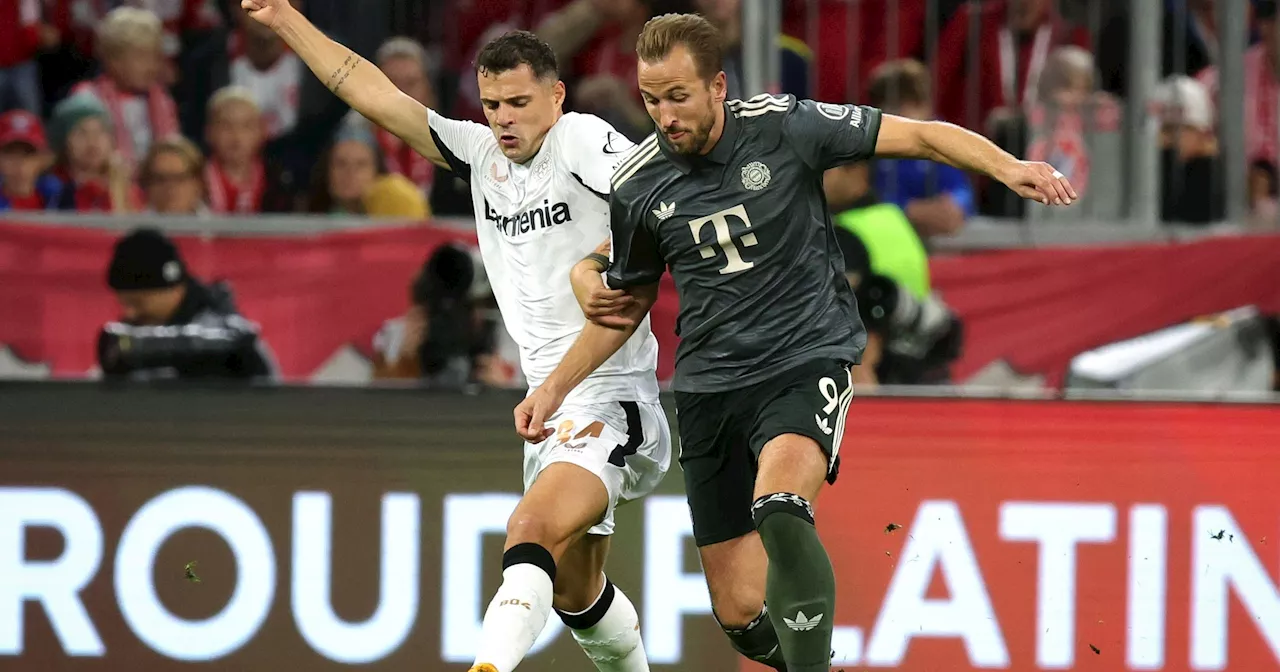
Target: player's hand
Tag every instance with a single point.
(266, 12)
(531, 413)
(606, 307)
(1038, 181)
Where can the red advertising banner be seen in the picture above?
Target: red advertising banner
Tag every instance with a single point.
(315, 295)
(1052, 535)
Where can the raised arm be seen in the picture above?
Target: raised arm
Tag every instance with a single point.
(966, 150)
(357, 82)
(828, 135)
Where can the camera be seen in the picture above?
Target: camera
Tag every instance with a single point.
(922, 336)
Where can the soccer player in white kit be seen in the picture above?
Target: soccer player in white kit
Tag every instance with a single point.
(540, 181)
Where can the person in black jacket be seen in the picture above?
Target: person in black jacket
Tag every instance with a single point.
(172, 325)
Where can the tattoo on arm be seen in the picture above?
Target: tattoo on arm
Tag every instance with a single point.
(340, 75)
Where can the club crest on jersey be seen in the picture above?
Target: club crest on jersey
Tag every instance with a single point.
(493, 174)
(550, 214)
(755, 176)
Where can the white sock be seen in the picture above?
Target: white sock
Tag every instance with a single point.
(516, 616)
(612, 639)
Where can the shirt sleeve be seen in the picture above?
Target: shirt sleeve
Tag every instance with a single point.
(634, 259)
(461, 143)
(592, 150)
(828, 135)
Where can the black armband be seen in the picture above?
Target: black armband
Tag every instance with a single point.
(600, 259)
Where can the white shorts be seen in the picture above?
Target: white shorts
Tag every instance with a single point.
(626, 443)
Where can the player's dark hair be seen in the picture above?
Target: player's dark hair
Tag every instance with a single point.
(902, 82)
(514, 49)
(663, 33)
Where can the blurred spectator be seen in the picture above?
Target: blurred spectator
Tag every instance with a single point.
(263, 64)
(853, 38)
(1190, 42)
(22, 34)
(156, 294)
(448, 336)
(794, 55)
(1264, 211)
(894, 245)
(1014, 38)
(936, 198)
(1261, 87)
(172, 177)
(1193, 190)
(407, 65)
(24, 156)
(94, 178)
(912, 336)
(595, 41)
(181, 17)
(129, 43)
(351, 178)
(474, 23)
(237, 179)
(78, 20)
(1054, 127)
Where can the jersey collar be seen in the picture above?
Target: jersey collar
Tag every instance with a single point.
(719, 154)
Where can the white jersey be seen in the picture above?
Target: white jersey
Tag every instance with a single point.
(535, 221)
(275, 89)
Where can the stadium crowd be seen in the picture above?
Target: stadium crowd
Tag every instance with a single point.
(100, 93)
(187, 107)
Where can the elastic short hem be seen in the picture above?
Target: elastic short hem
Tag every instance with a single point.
(728, 535)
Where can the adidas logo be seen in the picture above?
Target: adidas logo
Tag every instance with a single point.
(802, 622)
(664, 211)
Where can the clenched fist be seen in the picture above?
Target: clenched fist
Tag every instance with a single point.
(266, 12)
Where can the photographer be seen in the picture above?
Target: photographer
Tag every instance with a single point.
(171, 325)
(912, 336)
(449, 335)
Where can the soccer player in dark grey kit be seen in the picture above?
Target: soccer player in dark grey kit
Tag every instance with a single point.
(728, 195)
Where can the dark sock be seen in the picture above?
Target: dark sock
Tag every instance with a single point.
(801, 587)
(758, 641)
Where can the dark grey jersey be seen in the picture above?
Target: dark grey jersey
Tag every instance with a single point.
(746, 233)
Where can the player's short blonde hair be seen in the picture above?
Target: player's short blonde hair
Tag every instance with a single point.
(664, 33)
(231, 95)
(128, 27)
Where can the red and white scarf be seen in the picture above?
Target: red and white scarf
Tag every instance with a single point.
(1009, 66)
(403, 160)
(161, 112)
(227, 197)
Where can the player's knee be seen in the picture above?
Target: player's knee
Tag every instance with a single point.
(531, 528)
(792, 463)
(736, 613)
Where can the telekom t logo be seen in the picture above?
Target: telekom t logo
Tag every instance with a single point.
(724, 238)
